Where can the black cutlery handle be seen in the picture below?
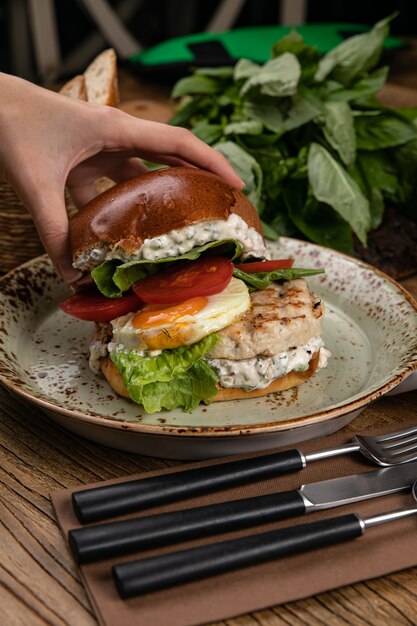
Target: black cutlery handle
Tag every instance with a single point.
(98, 503)
(102, 541)
(166, 570)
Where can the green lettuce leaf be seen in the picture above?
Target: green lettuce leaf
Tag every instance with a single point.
(114, 277)
(261, 280)
(185, 391)
(177, 378)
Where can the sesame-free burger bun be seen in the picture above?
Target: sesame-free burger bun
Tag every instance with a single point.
(292, 379)
(154, 204)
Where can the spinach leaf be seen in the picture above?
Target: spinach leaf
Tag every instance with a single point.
(330, 183)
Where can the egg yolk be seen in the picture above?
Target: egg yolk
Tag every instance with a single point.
(154, 315)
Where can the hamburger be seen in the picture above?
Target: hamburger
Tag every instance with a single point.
(187, 305)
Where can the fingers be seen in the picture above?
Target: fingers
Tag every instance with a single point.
(81, 181)
(127, 169)
(82, 193)
(162, 143)
(47, 207)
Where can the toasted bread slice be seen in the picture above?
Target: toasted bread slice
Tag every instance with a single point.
(75, 88)
(101, 79)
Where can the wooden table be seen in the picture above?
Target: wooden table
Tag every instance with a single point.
(39, 583)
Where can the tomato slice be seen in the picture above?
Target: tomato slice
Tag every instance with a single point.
(94, 307)
(265, 266)
(202, 277)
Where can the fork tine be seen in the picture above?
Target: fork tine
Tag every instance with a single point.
(402, 450)
(406, 458)
(399, 443)
(396, 435)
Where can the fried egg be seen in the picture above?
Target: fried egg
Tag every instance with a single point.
(167, 326)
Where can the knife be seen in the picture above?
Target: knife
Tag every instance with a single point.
(175, 568)
(141, 533)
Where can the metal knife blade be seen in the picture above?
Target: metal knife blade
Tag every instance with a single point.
(339, 491)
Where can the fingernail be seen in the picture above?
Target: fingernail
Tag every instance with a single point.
(68, 273)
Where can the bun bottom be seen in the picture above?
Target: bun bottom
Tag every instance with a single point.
(292, 379)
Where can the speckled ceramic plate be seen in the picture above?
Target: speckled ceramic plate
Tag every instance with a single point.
(370, 327)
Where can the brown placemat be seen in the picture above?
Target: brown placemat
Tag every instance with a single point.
(383, 549)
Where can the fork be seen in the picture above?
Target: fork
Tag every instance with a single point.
(98, 503)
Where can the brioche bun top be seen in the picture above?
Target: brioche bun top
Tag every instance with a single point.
(154, 204)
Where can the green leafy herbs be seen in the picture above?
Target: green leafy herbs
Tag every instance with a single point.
(178, 378)
(319, 154)
(261, 280)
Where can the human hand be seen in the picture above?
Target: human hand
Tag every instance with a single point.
(48, 141)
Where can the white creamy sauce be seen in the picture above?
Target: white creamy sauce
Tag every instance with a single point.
(248, 374)
(260, 371)
(180, 241)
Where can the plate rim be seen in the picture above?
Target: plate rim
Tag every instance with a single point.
(232, 430)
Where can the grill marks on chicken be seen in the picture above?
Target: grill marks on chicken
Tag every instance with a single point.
(282, 317)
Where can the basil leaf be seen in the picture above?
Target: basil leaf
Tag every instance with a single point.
(261, 280)
(245, 69)
(339, 130)
(278, 77)
(246, 127)
(384, 131)
(187, 109)
(246, 167)
(209, 133)
(410, 113)
(355, 55)
(317, 221)
(330, 183)
(307, 56)
(301, 112)
(269, 231)
(214, 72)
(366, 181)
(196, 84)
(365, 86)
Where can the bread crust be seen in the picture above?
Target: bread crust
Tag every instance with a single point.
(153, 204)
(75, 88)
(101, 79)
(292, 379)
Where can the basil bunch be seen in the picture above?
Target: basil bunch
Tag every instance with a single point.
(318, 152)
